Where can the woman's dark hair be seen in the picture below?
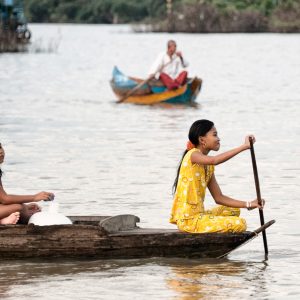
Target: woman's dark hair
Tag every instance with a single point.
(198, 128)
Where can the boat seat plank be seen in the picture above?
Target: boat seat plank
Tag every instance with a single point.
(177, 233)
(157, 231)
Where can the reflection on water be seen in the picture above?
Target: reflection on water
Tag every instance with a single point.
(217, 279)
(184, 279)
(63, 132)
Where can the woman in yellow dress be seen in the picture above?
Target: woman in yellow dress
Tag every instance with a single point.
(195, 173)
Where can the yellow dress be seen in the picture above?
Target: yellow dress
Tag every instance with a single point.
(188, 211)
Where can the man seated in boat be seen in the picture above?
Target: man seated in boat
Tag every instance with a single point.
(168, 67)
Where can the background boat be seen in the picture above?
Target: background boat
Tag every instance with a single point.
(153, 91)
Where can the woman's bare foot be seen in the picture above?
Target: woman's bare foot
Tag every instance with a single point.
(11, 219)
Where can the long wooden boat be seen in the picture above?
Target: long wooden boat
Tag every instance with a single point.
(114, 237)
(153, 91)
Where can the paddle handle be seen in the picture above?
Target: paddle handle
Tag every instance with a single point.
(255, 172)
(258, 195)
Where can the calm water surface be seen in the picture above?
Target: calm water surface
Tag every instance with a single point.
(64, 133)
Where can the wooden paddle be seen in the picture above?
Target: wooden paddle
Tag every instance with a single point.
(132, 91)
(261, 213)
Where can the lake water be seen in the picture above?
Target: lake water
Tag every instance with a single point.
(63, 132)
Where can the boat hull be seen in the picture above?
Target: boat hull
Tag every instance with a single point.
(87, 239)
(121, 84)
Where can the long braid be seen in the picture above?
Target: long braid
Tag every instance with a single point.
(178, 171)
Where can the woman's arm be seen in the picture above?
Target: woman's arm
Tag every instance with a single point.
(19, 199)
(200, 158)
(221, 199)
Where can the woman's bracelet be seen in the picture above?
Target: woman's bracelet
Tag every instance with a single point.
(248, 205)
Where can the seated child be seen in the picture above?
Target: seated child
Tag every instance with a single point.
(13, 209)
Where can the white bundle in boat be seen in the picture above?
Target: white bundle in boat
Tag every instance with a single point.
(51, 217)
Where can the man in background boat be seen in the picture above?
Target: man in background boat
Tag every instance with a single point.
(168, 67)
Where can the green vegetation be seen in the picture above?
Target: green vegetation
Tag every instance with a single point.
(93, 11)
(185, 16)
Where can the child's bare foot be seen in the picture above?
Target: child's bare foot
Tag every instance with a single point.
(32, 208)
(27, 211)
(11, 219)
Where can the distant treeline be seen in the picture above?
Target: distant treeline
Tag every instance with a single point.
(180, 16)
(93, 11)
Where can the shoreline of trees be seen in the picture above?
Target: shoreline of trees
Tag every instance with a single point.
(198, 16)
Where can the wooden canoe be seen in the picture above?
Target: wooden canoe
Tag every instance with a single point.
(153, 92)
(112, 238)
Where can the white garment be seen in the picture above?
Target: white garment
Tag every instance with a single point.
(52, 217)
(171, 66)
